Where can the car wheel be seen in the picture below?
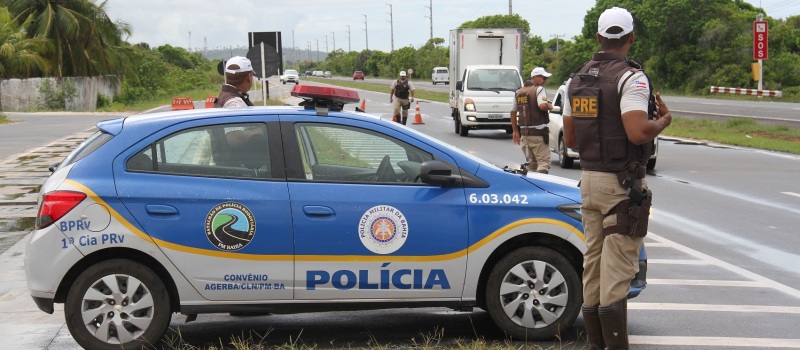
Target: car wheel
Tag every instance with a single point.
(509, 131)
(533, 293)
(651, 164)
(458, 124)
(284, 83)
(117, 304)
(462, 130)
(564, 161)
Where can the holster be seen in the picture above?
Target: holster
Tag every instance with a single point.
(632, 218)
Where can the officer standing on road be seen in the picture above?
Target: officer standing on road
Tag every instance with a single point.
(239, 78)
(401, 89)
(532, 107)
(608, 102)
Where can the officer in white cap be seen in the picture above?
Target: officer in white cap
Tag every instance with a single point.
(239, 78)
(401, 95)
(606, 116)
(530, 131)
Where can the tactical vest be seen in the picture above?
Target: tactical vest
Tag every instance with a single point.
(228, 92)
(401, 89)
(529, 114)
(594, 98)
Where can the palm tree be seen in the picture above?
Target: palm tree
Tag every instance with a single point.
(85, 40)
(20, 56)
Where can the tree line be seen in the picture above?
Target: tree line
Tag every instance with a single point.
(685, 46)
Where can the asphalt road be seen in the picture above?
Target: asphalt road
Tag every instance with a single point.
(723, 262)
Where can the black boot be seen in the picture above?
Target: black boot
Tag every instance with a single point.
(594, 331)
(404, 120)
(614, 320)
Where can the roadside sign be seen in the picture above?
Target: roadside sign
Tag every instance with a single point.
(410, 71)
(760, 39)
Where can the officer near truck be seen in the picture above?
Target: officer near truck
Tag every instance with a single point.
(530, 131)
(612, 117)
(401, 95)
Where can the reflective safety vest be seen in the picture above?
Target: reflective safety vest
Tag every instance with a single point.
(529, 113)
(594, 96)
(401, 89)
(228, 92)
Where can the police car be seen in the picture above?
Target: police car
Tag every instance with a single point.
(296, 209)
(566, 155)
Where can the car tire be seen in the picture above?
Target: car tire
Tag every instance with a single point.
(284, 83)
(545, 305)
(457, 124)
(115, 306)
(463, 131)
(651, 164)
(564, 161)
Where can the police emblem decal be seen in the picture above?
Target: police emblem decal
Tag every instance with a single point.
(230, 226)
(383, 229)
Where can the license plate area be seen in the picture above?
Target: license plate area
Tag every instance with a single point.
(496, 116)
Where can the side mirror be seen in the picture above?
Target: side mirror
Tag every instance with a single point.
(53, 167)
(460, 85)
(437, 173)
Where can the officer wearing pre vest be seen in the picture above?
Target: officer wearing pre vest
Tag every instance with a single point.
(610, 116)
(401, 95)
(531, 131)
(239, 79)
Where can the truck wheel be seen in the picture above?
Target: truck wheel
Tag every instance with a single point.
(462, 130)
(651, 164)
(564, 161)
(533, 293)
(457, 124)
(117, 304)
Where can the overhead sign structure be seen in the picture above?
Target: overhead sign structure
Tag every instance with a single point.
(760, 39)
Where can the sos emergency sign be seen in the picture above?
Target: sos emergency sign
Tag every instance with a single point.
(760, 38)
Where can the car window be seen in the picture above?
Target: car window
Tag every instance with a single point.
(494, 79)
(233, 150)
(290, 71)
(346, 154)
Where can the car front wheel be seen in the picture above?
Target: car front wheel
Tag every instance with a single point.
(117, 304)
(533, 293)
(564, 161)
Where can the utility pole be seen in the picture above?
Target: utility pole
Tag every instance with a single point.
(349, 46)
(190, 41)
(333, 39)
(308, 50)
(326, 43)
(509, 8)
(391, 25)
(430, 16)
(557, 36)
(318, 59)
(294, 49)
(366, 33)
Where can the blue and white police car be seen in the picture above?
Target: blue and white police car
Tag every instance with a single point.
(293, 209)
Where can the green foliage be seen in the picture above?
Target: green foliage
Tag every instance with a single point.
(739, 131)
(20, 56)
(103, 101)
(499, 21)
(55, 97)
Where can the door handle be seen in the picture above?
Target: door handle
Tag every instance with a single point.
(161, 209)
(317, 210)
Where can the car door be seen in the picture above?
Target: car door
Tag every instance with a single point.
(212, 195)
(365, 227)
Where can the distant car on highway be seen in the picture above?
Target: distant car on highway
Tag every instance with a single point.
(327, 74)
(290, 76)
(291, 209)
(566, 155)
(358, 75)
(440, 75)
(317, 73)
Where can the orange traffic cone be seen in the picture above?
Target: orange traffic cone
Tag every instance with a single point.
(363, 106)
(210, 101)
(418, 116)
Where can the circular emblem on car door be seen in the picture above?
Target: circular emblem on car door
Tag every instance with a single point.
(383, 229)
(230, 226)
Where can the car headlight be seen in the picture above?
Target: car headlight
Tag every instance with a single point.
(469, 105)
(572, 210)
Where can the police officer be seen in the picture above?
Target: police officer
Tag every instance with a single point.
(403, 91)
(239, 79)
(606, 116)
(531, 131)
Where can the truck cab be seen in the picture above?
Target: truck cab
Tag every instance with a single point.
(485, 98)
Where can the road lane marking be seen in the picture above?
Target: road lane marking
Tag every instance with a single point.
(715, 307)
(733, 268)
(678, 261)
(791, 194)
(750, 343)
(715, 283)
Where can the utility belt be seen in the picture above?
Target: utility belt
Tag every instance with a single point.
(526, 130)
(633, 214)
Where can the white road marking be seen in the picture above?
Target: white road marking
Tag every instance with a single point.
(791, 194)
(750, 343)
(715, 283)
(715, 307)
(678, 261)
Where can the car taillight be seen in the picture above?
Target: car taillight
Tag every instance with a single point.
(55, 205)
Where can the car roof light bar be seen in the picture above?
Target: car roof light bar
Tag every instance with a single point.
(324, 98)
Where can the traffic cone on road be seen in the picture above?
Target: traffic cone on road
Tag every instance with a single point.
(363, 106)
(418, 116)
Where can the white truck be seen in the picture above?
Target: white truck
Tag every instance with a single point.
(484, 75)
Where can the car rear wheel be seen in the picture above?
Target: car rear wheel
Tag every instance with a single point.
(533, 293)
(564, 161)
(651, 164)
(460, 128)
(117, 304)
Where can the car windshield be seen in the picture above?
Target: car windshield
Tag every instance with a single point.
(291, 71)
(494, 80)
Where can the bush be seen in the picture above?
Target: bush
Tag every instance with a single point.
(53, 97)
(103, 101)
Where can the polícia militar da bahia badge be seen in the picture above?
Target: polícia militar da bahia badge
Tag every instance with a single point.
(383, 229)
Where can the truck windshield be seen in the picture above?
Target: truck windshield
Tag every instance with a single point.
(494, 80)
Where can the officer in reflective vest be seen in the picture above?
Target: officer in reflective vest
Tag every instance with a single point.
(401, 95)
(530, 131)
(239, 80)
(609, 116)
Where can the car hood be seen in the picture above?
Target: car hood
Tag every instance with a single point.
(557, 185)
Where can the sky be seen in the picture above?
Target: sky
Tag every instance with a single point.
(214, 24)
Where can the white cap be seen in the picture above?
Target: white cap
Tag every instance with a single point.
(243, 63)
(402, 73)
(615, 17)
(540, 71)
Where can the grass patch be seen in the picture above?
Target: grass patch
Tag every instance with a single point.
(740, 132)
(418, 93)
(196, 95)
(4, 119)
